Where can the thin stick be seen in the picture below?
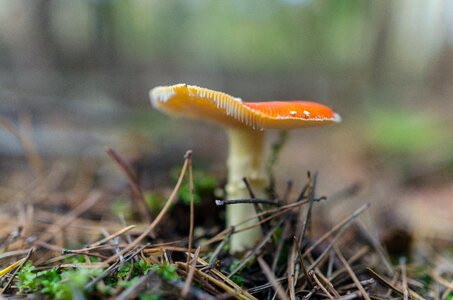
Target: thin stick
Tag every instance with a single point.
(404, 278)
(296, 242)
(290, 271)
(330, 264)
(159, 217)
(249, 188)
(320, 285)
(367, 282)
(137, 193)
(253, 200)
(280, 245)
(328, 284)
(311, 197)
(384, 281)
(302, 193)
(302, 264)
(398, 288)
(271, 278)
(217, 250)
(258, 207)
(289, 187)
(352, 274)
(350, 296)
(187, 284)
(278, 211)
(192, 213)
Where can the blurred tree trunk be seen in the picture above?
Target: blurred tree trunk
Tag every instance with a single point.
(25, 30)
(379, 56)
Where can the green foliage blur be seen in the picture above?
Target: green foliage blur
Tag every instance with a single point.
(404, 132)
(98, 64)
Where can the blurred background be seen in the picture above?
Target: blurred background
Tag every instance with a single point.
(75, 77)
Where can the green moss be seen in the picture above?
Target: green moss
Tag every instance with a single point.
(54, 282)
(204, 184)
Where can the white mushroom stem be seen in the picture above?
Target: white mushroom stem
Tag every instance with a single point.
(245, 159)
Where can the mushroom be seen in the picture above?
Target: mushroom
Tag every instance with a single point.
(245, 123)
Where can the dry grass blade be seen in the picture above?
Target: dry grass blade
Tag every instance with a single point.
(112, 236)
(185, 289)
(442, 281)
(235, 293)
(137, 193)
(255, 251)
(323, 255)
(227, 280)
(352, 274)
(293, 251)
(67, 219)
(13, 253)
(98, 244)
(159, 217)
(23, 262)
(11, 267)
(217, 250)
(166, 248)
(361, 252)
(271, 277)
(346, 221)
(377, 246)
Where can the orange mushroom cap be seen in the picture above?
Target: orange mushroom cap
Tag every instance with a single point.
(217, 107)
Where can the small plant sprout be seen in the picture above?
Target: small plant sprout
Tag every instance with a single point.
(245, 123)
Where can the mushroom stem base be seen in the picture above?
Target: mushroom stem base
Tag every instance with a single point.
(246, 159)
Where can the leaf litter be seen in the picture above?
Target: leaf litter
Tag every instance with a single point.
(81, 252)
